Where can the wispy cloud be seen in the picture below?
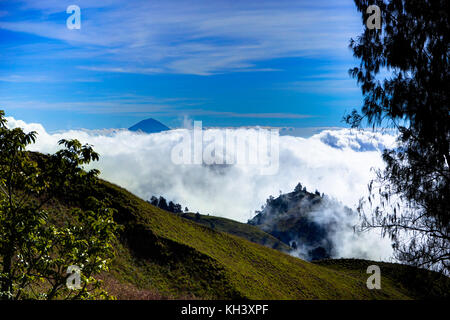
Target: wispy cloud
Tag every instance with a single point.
(324, 86)
(193, 37)
(16, 78)
(279, 115)
(96, 106)
(240, 62)
(123, 70)
(23, 78)
(141, 106)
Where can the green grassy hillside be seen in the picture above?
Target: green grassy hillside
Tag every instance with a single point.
(244, 230)
(413, 282)
(160, 255)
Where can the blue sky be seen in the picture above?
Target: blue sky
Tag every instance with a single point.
(226, 63)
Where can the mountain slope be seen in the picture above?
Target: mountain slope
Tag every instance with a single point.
(243, 230)
(149, 126)
(414, 282)
(180, 258)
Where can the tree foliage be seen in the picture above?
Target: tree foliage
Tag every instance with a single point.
(404, 77)
(36, 249)
(161, 203)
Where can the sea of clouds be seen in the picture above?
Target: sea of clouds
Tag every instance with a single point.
(338, 163)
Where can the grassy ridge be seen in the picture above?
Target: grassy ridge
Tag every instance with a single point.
(243, 230)
(413, 282)
(180, 258)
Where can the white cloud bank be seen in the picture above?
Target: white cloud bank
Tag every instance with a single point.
(337, 163)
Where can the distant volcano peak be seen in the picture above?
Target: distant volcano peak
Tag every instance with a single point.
(149, 126)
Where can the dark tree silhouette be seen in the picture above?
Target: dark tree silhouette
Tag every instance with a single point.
(294, 245)
(163, 203)
(412, 48)
(177, 208)
(154, 201)
(171, 207)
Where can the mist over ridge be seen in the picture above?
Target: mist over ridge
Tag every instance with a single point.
(335, 162)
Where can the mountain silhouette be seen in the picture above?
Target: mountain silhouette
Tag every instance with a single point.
(149, 126)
